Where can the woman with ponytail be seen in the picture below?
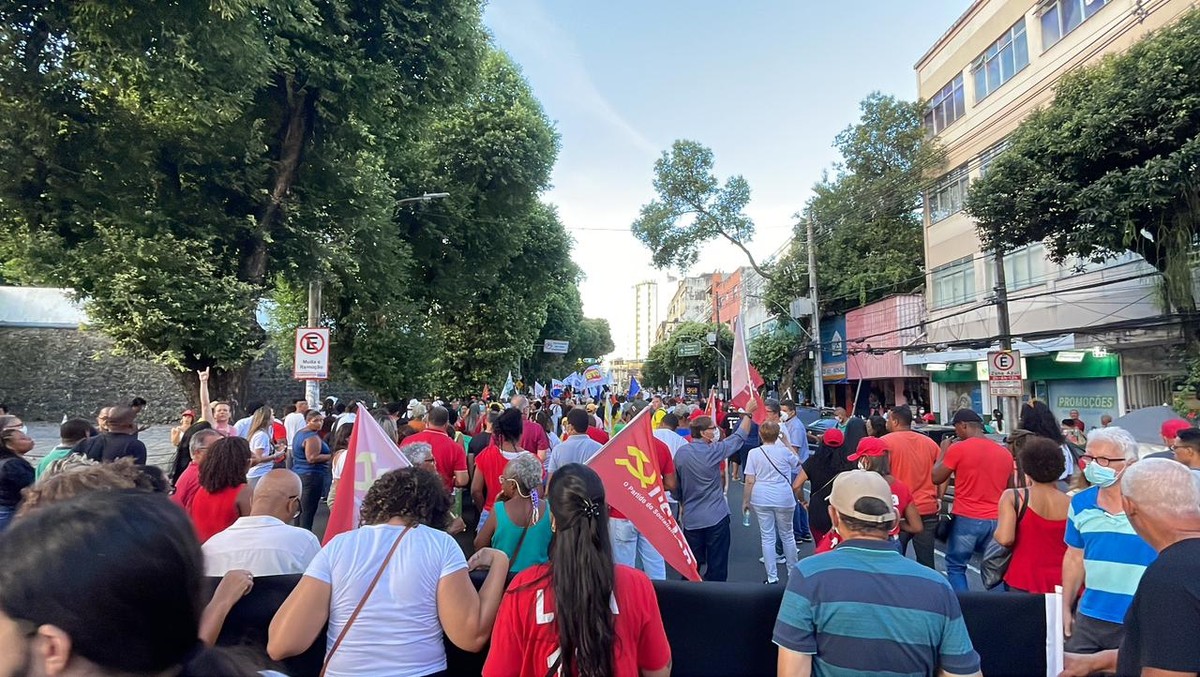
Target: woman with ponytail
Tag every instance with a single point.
(579, 614)
(519, 524)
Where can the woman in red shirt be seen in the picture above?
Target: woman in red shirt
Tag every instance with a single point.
(579, 614)
(1036, 534)
(223, 495)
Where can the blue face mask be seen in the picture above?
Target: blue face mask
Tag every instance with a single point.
(1099, 475)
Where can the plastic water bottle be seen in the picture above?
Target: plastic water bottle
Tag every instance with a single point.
(746, 517)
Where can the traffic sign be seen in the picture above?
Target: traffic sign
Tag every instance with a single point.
(1004, 374)
(556, 347)
(311, 362)
(690, 349)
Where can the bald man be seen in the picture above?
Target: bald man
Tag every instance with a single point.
(1162, 499)
(264, 542)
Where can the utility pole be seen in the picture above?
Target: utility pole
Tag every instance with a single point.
(1008, 405)
(312, 388)
(818, 380)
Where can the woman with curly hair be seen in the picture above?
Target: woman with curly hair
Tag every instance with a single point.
(1033, 520)
(594, 617)
(519, 524)
(223, 495)
(406, 577)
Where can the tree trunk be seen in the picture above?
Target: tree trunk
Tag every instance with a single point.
(789, 373)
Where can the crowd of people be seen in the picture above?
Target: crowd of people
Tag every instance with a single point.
(568, 584)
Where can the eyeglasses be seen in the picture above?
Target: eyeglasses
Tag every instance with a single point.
(1102, 461)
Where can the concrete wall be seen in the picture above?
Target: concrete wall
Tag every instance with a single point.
(46, 373)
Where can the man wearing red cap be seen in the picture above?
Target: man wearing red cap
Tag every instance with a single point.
(872, 455)
(1170, 431)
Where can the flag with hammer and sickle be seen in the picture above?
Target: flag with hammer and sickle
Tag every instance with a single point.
(630, 466)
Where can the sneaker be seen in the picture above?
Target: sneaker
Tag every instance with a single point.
(780, 559)
(760, 560)
(804, 539)
(771, 582)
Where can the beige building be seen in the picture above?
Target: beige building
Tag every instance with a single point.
(996, 64)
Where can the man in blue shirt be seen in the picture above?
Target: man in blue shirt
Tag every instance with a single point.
(864, 608)
(703, 506)
(795, 435)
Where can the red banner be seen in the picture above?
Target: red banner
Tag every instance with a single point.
(744, 378)
(370, 454)
(628, 467)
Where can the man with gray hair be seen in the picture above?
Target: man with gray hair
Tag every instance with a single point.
(1104, 553)
(420, 455)
(188, 481)
(1162, 501)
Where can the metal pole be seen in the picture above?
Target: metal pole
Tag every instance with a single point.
(1008, 405)
(312, 389)
(818, 381)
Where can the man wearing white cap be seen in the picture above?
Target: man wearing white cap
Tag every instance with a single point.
(865, 593)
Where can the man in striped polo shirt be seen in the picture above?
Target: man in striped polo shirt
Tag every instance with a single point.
(864, 608)
(1104, 554)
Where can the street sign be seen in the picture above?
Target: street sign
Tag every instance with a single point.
(1004, 374)
(690, 349)
(311, 361)
(556, 347)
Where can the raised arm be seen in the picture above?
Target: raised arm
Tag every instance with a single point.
(205, 402)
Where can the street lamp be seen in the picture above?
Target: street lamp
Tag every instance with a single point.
(312, 389)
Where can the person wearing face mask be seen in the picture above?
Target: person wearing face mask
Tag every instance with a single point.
(1104, 553)
(15, 472)
(264, 542)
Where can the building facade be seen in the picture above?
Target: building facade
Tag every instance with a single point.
(994, 66)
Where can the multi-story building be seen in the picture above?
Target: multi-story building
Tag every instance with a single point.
(995, 65)
(691, 302)
(645, 317)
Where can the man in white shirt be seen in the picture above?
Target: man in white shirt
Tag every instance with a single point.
(294, 422)
(668, 433)
(264, 543)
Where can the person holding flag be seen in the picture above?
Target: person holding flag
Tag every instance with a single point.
(702, 500)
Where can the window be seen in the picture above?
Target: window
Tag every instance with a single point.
(946, 106)
(1060, 17)
(1001, 61)
(989, 155)
(947, 197)
(954, 283)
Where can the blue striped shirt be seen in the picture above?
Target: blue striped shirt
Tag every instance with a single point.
(864, 608)
(1114, 557)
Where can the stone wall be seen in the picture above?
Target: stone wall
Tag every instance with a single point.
(46, 373)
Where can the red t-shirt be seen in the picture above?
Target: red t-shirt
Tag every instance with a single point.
(666, 466)
(525, 638)
(491, 462)
(597, 434)
(913, 456)
(448, 455)
(187, 485)
(901, 497)
(533, 437)
(982, 470)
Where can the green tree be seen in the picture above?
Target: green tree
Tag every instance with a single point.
(1110, 166)
(866, 220)
(168, 161)
(693, 208)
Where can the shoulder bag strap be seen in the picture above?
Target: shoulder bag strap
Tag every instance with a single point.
(520, 542)
(362, 602)
(1022, 507)
(768, 457)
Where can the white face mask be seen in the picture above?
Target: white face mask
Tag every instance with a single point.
(785, 416)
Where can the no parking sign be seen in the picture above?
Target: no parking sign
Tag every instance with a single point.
(1004, 374)
(311, 361)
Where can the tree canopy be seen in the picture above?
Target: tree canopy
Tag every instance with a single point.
(175, 164)
(663, 360)
(1111, 165)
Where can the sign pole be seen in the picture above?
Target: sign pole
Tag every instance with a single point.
(312, 387)
(818, 396)
(1008, 404)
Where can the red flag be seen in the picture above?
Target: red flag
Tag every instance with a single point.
(371, 453)
(711, 409)
(486, 393)
(743, 376)
(628, 467)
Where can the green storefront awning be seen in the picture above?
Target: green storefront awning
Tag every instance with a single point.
(956, 372)
(1044, 368)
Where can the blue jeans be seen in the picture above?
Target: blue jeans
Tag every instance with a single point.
(6, 515)
(967, 537)
(628, 543)
(800, 522)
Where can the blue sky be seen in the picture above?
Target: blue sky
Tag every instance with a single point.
(766, 84)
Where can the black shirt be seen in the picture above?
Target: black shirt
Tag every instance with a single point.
(1161, 625)
(478, 444)
(15, 474)
(108, 447)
